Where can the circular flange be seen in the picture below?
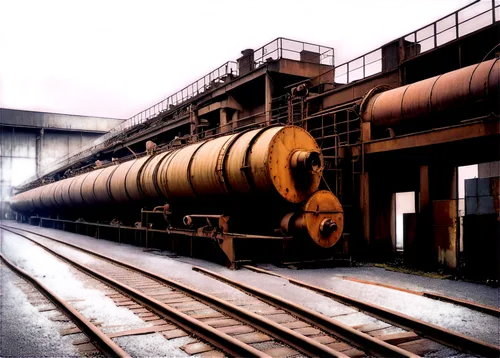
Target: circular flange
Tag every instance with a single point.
(323, 218)
(295, 185)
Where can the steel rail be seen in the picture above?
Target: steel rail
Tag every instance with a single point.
(104, 343)
(435, 296)
(296, 340)
(442, 335)
(221, 340)
(359, 339)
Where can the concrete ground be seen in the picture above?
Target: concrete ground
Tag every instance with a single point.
(24, 332)
(457, 318)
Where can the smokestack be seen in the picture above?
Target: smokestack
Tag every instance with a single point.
(245, 62)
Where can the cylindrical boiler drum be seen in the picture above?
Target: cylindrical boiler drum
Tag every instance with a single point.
(282, 159)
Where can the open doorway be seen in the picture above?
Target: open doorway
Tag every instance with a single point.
(405, 203)
(464, 173)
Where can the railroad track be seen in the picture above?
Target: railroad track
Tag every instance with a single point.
(444, 336)
(297, 330)
(280, 333)
(95, 335)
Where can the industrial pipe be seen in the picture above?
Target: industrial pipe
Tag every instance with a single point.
(433, 95)
(281, 159)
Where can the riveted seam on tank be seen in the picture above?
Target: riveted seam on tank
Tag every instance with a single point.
(431, 92)
(402, 101)
(108, 183)
(81, 186)
(125, 180)
(235, 138)
(168, 160)
(93, 185)
(245, 168)
(157, 168)
(469, 92)
(139, 175)
(189, 166)
(489, 75)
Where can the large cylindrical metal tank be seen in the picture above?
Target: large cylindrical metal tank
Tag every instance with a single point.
(284, 160)
(451, 90)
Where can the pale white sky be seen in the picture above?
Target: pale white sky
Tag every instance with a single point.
(116, 58)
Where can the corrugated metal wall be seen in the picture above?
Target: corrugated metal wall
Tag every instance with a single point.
(24, 151)
(56, 144)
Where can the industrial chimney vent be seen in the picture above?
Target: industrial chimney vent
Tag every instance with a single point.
(246, 61)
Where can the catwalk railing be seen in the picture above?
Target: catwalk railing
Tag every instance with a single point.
(466, 20)
(274, 50)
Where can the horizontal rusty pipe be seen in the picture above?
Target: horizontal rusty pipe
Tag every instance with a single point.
(458, 88)
(282, 159)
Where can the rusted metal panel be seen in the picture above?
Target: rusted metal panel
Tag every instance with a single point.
(445, 231)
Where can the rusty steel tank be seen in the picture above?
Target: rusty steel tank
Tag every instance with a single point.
(276, 161)
(452, 90)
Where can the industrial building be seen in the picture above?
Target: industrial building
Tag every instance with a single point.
(272, 208)
(402, 118)
(31, 142)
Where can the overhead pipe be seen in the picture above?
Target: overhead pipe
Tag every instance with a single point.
(456, 89)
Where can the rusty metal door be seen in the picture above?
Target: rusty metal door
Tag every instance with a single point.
(445, 231)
